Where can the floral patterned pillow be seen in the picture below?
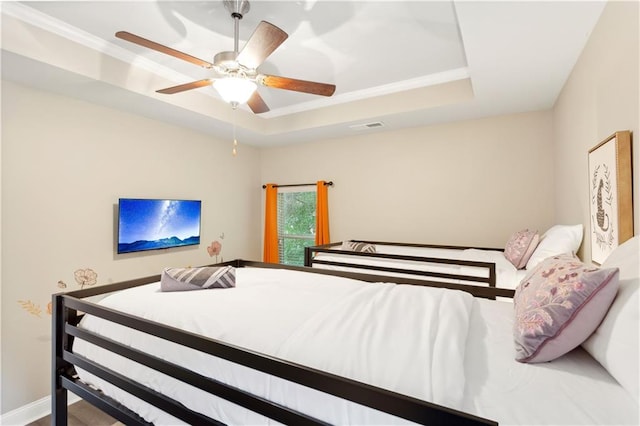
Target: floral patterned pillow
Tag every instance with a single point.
(520, 247)
(558, 305)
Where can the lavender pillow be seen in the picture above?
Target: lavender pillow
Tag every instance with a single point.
(558, 305)
(520, 247)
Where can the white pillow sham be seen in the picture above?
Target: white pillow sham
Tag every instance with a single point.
(615, 342)
(559, 239)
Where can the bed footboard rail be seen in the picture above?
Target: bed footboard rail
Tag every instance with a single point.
(407, 265)
(68, 309)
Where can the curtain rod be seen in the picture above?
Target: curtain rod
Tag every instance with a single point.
(330, 183)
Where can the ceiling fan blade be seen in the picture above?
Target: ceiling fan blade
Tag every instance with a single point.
(286, 83)
(162, 49)
(186, 86)
(265, 39)
(257, 104)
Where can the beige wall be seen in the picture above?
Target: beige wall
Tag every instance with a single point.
(473, 182)
(599, 98)
(64, 165)
(1, 258)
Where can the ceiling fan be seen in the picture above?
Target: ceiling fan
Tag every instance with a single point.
(235, 74)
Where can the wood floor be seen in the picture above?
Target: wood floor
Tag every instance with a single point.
(81, 413)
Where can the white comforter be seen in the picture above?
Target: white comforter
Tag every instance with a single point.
(403, 338)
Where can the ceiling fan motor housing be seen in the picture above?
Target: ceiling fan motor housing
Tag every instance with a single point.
(226, 60)
(226, 63)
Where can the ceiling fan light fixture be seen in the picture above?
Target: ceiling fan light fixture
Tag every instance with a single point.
(235, 90)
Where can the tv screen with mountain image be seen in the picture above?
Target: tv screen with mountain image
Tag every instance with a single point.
(152, 224)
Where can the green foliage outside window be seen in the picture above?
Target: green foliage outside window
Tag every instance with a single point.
(296, 225)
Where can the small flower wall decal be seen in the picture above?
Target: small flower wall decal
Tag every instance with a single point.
(82, 276)
(85, 277)
(214, 249)
(30, 307)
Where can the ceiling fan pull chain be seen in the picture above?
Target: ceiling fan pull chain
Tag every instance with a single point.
(234, 151)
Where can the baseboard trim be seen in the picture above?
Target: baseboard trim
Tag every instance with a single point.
(33, 411)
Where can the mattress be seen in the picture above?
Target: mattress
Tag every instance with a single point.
(465, 363)
(507, 276)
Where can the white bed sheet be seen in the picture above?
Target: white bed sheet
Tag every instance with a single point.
(488, 382)
(507, 276)
(571, 390)
(305, 318)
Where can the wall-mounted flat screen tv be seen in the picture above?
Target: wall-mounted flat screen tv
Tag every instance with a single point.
(152, 224)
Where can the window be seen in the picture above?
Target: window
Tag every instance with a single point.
(296, 224)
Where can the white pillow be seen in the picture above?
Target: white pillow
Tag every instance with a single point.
(615, 342)
(559, 239)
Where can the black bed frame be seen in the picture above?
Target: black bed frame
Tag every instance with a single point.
(489, 281)
(68, 309)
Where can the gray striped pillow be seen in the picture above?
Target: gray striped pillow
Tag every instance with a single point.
(208, 277)
(358, 246)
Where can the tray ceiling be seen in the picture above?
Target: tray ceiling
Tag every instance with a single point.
(402, 64)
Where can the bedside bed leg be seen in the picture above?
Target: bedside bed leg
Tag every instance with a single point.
(58, 393)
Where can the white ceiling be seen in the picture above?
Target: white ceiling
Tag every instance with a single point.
(402, 63)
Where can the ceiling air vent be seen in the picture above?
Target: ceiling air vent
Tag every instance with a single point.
(366, 126)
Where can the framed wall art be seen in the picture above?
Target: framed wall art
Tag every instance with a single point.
(610, 194)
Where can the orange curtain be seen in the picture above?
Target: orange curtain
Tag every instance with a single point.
(271, 225)
(322, 213)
